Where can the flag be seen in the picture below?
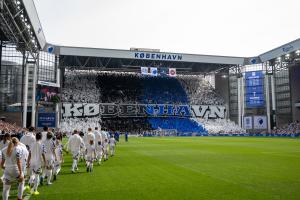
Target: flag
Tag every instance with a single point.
(153, 71)
(172, 72)
(144, 70)
(163, 71)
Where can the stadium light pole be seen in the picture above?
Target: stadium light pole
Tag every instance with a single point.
(33, 104)
(57, 105)
(240, 94)
(25, 96)
(273, 98)
(267, 98)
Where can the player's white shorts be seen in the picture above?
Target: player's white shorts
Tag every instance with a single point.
(49, 163)
(36, 169)
(10, 174)
(89, 158)
(99, 154)
(57, 163)
(75, 155)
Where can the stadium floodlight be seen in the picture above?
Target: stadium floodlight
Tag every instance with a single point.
(298, 52)
(287, 56)
(279, 59)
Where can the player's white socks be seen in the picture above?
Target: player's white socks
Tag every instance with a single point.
(49, 175)
(21, 189)
(74, 165)
(44, 173)
(36, 182)
(112, 152)
(5, 192)
(57, 170)
(31, 179)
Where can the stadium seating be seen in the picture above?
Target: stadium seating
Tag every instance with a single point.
(163, 90)
(83, 86)
(200, 91)
(182, 125)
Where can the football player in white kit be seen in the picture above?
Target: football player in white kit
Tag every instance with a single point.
(105, 149)
(24, 158)
(59, 154)
(35, 161)
(88, 137)
(112, 144)
(12, 165)
(98, 144)
(90, 155)
(49, 147)
(27, 140)
(75, 144)
(44, 133)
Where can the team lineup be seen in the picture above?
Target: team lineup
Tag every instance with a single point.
(36, 158)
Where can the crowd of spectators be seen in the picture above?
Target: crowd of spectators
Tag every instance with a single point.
(181, 125)
(68, 125)
(119, 87)
(199, 90)
(163, 90)
(133, 125)
(224, 126)
(89, 86)
(292, 128)
(12, 129)
(124, 87)
(80, 86)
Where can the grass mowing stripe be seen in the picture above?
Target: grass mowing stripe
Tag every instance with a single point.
(187, 168)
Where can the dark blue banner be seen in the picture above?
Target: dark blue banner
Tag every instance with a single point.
(47, 119)
(254, 75)
(254, 82)
(254, 89)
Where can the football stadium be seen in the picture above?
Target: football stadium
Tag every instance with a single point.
(141, 123)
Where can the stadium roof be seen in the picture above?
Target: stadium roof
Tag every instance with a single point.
(282, 50)
(19, 23)
(131, 60)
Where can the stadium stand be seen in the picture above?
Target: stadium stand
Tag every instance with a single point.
(12, 129)
(293, 127)
(182, 125)
(200, 91)
(224, 126)
(131, 88)
(68, 125)
(80, 86)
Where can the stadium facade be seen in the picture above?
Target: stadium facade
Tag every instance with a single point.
(26, 59)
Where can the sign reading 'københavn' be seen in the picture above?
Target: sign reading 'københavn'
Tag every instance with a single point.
(158, 56)
(142, 110)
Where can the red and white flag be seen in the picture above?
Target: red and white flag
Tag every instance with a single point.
(172, 72)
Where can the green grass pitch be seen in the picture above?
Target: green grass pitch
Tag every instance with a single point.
(187, 168)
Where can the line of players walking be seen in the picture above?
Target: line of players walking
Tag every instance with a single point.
(91, 147)
(39, 156)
